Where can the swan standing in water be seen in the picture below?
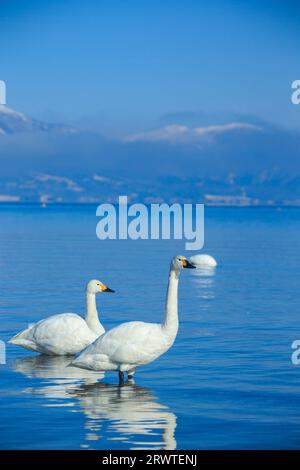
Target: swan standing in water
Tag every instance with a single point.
(66, 333)
(133, 344)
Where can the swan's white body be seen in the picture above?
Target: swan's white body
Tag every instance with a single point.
(66, 333)
(203, 261)
(127, 346)
(134, 344)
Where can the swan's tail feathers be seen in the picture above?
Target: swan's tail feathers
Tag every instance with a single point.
(97, 362)
(23, 339)
(80, 365)
(20, 336)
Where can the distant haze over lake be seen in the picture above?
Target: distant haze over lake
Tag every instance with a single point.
(225, 160)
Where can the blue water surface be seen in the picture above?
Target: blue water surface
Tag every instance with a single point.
(227, 383)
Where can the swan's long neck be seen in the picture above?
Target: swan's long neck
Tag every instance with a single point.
(91, 316)
(170, 322)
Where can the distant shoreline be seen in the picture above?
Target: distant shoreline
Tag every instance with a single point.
(87, 204)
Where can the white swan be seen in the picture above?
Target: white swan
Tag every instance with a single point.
(134, 344)
(203, 261)
(66, 333)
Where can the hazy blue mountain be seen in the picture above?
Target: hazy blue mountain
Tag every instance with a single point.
(13, 122)
(218, 160)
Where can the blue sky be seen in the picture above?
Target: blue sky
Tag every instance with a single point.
(122, 66)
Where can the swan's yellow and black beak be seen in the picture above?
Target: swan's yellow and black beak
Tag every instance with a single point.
(187, 264)
(107, 289)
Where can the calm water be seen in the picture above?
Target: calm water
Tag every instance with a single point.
(228, 382)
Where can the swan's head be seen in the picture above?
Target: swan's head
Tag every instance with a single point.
(94, 287)
(180, 262)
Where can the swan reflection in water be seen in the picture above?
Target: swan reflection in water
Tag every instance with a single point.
(130, 414)
(204, 279)
(60, 379)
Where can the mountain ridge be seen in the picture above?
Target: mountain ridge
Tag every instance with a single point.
(233, 163)
(12, 122)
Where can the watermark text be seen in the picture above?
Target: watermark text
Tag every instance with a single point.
(2, 93)
(295, 97)
(156, 221)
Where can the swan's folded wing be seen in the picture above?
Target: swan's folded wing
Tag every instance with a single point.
(130, 343)
(61, 334)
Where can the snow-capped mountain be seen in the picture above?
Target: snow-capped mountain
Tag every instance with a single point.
(12, 122)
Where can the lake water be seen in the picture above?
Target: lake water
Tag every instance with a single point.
(227, 383)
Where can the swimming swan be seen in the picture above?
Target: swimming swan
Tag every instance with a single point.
(203, 261)
(133, 344)
(66, 333)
